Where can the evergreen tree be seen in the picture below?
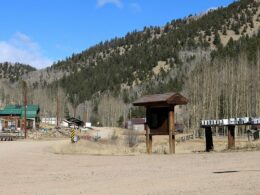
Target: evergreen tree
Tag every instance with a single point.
(120, 121)
(224, 31)
(217, 39)
(66, 112)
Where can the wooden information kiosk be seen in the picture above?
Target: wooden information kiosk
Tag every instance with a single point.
(160, 116)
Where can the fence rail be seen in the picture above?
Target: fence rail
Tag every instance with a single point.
(10, 136)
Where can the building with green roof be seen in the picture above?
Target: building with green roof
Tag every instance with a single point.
(14, 115)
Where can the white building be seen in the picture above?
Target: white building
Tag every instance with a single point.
(136, 124)
(49, 120)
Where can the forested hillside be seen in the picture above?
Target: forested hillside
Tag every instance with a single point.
(13, 72)
(130, 60)
(229, 84)
(213, 58)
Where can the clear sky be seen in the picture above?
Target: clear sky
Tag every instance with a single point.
(39, 32)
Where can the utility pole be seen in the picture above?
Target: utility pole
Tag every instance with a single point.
(24, 87)
(84, 113)
(58, 109)
(130, 115)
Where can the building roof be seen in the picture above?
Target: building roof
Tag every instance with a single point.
(18, 110)
(137, 121)
(75, 121)
(165, 99)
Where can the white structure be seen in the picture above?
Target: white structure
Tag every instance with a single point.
(225, 121)
(88, 124)
(232, 121)
(246, 119)
(65, 123)
(136, 124)
(256, 121)
(50, 120)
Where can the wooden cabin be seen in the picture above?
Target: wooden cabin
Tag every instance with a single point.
(160, 116)
(13, 115)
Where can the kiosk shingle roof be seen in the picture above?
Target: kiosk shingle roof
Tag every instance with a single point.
(166, 98)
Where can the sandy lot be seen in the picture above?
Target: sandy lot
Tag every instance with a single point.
(28, 167)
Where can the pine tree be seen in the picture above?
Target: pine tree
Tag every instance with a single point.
(66, 112)
(120, 121)
(217, 39)
(224, 31)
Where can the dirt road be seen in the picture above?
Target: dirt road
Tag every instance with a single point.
(30, 168)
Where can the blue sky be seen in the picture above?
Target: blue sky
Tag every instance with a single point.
(39, 32)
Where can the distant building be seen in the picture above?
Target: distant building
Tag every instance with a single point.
(72, 122)
(12, 116)
(136, 124)
(49, 120)
(179, 127)
(65, 123)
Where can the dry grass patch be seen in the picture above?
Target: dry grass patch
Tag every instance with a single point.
(130, 143)
(94, 148)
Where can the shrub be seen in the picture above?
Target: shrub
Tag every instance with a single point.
(131, 138)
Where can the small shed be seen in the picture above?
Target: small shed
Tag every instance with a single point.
(49, 120)
(75, 122)
(65, 123)
(160, 116)
(136, 124)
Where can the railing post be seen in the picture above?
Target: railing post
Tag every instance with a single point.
(231, 136)
(209, 139)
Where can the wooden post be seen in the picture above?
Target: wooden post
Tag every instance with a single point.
(245, 132)
(58, 110)
(171, 132)
(173, 142)
(209, 139)
(16, 123)
(217, 131)
(25, 104)
(148, 139)
(150, 144)
(231, 136)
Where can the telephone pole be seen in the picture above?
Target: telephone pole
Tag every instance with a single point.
(58, 109)
(24, 87)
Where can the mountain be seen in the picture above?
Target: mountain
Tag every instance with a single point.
(14, 72)
(134, 58)
(204, 56)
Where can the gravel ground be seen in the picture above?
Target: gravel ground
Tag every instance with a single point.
(28, 167)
